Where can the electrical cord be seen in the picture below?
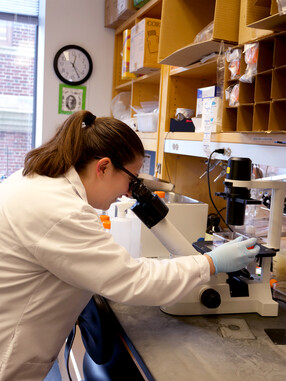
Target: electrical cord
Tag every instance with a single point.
(221, 151)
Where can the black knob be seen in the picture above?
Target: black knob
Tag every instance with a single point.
(210, 298)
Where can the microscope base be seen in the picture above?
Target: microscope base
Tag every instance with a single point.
(259, 300)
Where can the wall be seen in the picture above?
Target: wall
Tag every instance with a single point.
(79, 22)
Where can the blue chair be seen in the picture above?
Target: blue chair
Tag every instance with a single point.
(106, 358)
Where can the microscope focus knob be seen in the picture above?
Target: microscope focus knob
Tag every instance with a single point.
(210, 298)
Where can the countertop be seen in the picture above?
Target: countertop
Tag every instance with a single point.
(206, 348)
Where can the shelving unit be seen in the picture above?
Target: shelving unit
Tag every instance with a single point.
(251, 129)
(143, 88)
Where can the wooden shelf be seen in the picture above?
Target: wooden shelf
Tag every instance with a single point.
(265, 138)
(275, 22)
(147, 135)
(206, 70)
(153, 79)
(258, 147)
(124, 86)
(149, 140)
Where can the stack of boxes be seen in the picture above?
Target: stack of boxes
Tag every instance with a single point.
(208, 109)
(142, 58)
(140, 48)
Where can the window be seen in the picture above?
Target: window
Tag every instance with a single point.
(18, 37)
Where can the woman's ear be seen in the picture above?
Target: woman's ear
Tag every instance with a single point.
(102, 165)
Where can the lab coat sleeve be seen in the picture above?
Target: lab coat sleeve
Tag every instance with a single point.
(79, 252)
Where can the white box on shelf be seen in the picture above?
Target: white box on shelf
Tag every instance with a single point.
(211, 114)
(147, 122)
(205, 92)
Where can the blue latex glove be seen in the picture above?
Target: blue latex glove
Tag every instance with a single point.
(234, 255)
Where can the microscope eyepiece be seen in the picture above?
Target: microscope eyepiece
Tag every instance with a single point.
(148, 207)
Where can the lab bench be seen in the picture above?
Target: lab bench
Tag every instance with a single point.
(205, 348)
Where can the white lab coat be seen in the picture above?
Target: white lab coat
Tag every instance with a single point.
(54, 255)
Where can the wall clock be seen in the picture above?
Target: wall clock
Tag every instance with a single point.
(73, 65)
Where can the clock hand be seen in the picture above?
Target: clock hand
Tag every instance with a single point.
(73, 65)
(76, 71)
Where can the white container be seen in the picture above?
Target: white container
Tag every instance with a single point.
(135, 248)
(121, 227)
(183, 213)
(147, 122)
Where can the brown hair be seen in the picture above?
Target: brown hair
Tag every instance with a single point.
(79, 140)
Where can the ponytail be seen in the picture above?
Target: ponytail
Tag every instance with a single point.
(78, 140)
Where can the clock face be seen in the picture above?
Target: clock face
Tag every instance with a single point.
(73, 65)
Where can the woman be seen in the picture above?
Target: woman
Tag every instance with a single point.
(55, 254)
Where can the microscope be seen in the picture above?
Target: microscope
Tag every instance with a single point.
(244, 291)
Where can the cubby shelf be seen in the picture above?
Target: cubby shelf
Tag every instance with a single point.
(261, 103)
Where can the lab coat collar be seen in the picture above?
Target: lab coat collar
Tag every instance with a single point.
(73, 177)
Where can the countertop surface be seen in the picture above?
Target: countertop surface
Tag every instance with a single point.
(206, 348)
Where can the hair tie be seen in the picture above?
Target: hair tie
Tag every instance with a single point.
(88, 120)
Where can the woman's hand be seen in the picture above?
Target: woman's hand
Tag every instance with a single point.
(233, 255)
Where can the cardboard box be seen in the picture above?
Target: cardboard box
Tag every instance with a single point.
(117, 11)
(144, 46)
(182, 20)
(125, 72)
(211, 115)
(205, 92)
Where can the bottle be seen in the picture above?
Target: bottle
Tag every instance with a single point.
(121, 226)
(135, 249)
(107, 225)
(104, 217)
(160, 194)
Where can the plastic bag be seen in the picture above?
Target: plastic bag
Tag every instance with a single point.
(281, 6)
(220, 69)
(232, 94)
(145, 107)
(220, 81)
(233, 57)
(205, 34)
(250, 57)
(120, 106)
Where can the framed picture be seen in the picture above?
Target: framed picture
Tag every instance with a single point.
(71, 98)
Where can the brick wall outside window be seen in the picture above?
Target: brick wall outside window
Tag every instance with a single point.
(16, 95)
